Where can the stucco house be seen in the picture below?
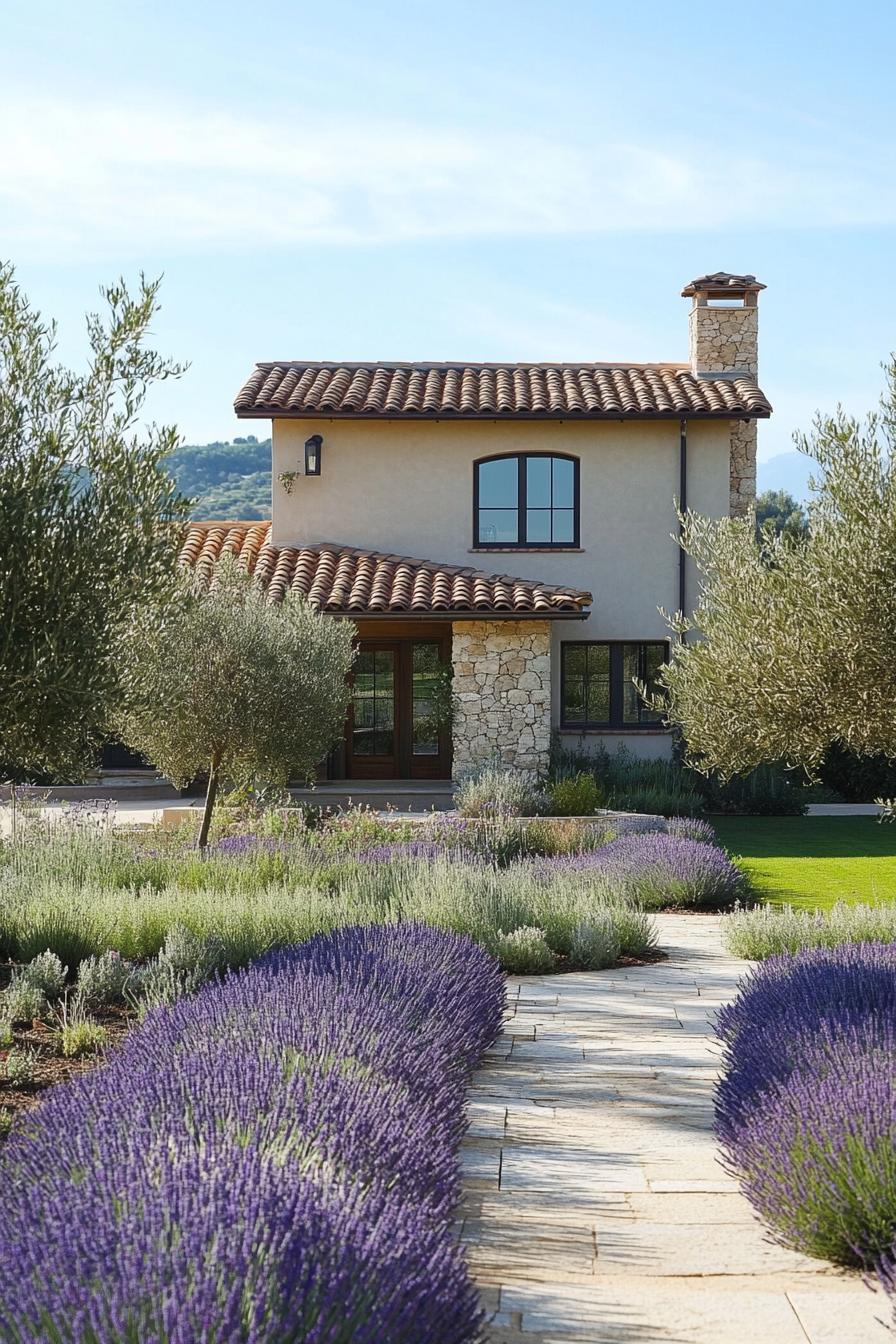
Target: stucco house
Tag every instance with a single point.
(510, 527)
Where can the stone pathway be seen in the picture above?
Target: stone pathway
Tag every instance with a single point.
(595, 1208)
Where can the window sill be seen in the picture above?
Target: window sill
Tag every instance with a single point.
(526, 550)
(653, 730)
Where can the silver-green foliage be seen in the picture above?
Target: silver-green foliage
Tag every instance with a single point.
(20, 1067)
(22, 1001)
(186, 961)
(765, 931)
(242, 922)
(494, 790)
(524, 951)
(229, 682)
(102, 979)
(89, 520)
(799, 635)
(595, 941)
(46, 973)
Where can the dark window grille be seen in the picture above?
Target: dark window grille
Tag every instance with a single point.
(598, 683)
(526, 500)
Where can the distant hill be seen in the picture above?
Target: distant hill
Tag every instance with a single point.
(786, 471)
(229, 480)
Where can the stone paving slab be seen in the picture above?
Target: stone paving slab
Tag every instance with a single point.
(595, 1207)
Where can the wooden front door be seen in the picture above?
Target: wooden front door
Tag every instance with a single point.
(394, 728)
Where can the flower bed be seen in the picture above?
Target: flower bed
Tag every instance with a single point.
(766, 931)
(658, 870)
(806, 1108)
(274, 1159)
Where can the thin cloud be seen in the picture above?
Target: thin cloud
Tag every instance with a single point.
(79, 180)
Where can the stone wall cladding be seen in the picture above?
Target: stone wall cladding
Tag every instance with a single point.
(742, 467)
(725, 340)
(502, 690)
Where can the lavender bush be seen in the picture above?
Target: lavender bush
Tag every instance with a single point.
(274, 1159)
(658, 870)
(806, 1107)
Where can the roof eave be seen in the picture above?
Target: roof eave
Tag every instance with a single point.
(272, 413)
(468, 614)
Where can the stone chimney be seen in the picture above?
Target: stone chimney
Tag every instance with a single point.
(724, 343)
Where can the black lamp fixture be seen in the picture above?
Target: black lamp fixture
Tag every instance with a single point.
(312, 454)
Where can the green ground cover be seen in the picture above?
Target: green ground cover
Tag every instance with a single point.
(814, 861)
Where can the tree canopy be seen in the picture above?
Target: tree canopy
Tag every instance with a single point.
(778, 510)
(89, 520)
(797, 646)
(229, 683)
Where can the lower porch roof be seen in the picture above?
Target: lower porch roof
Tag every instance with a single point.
(347, 581)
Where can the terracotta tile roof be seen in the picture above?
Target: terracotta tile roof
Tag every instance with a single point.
(344, 580)
(723, 282)
(495, 391)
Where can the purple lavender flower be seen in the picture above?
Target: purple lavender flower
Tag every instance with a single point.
(239, 846)
(274, 1159)
(806, 1107)
(658, 870)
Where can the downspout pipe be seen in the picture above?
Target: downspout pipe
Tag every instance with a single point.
(682, 506)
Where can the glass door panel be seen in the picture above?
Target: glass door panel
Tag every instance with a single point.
(373, 704)
(426, 687)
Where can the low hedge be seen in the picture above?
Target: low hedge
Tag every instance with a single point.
(273, 1159)
(806, 1107)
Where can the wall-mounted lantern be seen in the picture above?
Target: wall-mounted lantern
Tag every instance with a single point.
(312, 454)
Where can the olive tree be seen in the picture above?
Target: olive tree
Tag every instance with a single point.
(796, 637)
(232, 684)
(89, 520)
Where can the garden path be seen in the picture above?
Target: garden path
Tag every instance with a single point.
(595, 1208)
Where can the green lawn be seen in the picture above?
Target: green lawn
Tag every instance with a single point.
(814, 861)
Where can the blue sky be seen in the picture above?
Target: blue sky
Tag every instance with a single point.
(482, 180)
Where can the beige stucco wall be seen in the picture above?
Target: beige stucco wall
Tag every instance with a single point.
(407, 487)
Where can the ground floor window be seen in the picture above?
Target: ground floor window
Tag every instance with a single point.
(598, 682)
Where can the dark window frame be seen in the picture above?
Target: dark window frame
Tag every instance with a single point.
(522, 505)
(616, 722)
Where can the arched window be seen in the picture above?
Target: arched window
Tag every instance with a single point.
(526, 499)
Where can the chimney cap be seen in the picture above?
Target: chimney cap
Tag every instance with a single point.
(722, 284)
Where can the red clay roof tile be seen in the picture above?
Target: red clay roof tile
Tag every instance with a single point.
(346, 581)
(496, 391)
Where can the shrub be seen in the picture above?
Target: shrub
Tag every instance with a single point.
(274, 1159)
(816, 1152)
(767, 791)
(658, 802)
(691, 828)
(81, 1036)
(658, 870)
(5, 1034)
(22, 1001)
(184, 964)
(766, 931)
(856, 778)
(887, 809)
(806, 1107)
(46, 973)
(524, 951)
(575, 795)
(21, 1066)
(496, 791)
(102, 979)
(595, 942)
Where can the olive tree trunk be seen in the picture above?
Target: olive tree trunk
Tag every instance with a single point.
(211, 794)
